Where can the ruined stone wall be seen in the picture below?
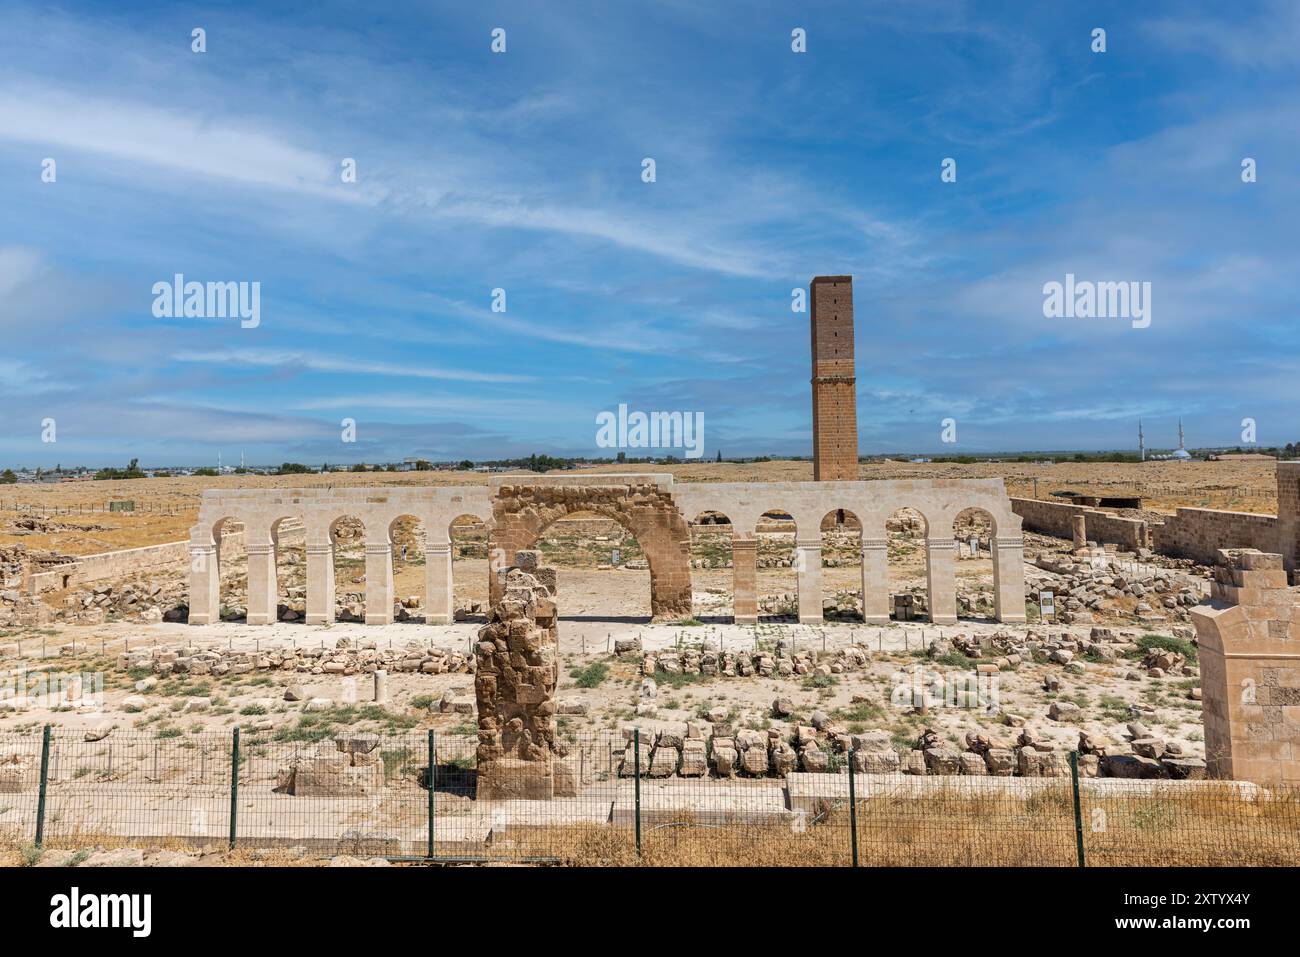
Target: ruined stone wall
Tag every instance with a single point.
(1199, 533)
(1057, 519)
(107, 566)
(1288, 514)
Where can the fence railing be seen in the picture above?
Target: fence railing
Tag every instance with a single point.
(418, 796)
(93, 508)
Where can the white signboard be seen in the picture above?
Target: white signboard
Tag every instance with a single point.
(1046, 605)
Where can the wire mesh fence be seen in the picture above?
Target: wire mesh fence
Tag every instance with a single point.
(605, 800)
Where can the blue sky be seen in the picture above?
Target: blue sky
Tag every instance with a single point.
(522, 171)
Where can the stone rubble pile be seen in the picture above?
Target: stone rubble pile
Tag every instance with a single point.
(1083, 589)
(145, 601)
(18, 610)
(341, 660)
(784, 662)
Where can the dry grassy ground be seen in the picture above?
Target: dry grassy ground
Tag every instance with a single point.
(1243, 486)
(959, 826)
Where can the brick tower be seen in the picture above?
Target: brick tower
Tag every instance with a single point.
(834, 385)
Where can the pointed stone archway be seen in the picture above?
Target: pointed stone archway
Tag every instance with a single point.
(521, 512)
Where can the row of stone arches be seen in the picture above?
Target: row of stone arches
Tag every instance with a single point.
(359, 537)
(350, 567)
(778, 564)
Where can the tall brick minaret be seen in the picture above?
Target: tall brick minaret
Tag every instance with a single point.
(834, 384)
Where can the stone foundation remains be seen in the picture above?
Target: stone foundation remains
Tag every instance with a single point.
(1195, 533)
(346, 766)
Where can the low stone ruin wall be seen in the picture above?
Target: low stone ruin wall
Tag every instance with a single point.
(1199, 533)
(1057, 518)
(756, 664)
(1195, 533)
(106, 566)
(308, 660)
(698, 749)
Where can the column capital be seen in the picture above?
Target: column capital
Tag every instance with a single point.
(744, 544)
(320, 548)
(260, 549)
(809, 543)
(437, 548)
(1009, 541)
(379, 548)
(196, 549)
(875, 543)
(944, 544)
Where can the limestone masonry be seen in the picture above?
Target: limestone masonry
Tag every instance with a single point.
(517, 510)
(1249, 637)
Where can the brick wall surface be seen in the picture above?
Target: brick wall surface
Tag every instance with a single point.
(834, 382)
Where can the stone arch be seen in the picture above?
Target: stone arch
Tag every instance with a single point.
(522, 512)
(977, 524)
(776, 554)
(407, 536)
(229, 533)
(1007, 548)
(347, 536)
(906, 531)
(265, 548)
(841, 534)
(713, 561)
(444, 546)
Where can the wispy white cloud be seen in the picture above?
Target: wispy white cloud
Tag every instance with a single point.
(291, 360)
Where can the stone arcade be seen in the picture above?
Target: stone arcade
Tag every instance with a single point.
(651, 507)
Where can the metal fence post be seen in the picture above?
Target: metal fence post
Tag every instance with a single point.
(636, 772)
(45, 780)
(430, 782)
(853, 809)
(1078, 809)
(234, 784)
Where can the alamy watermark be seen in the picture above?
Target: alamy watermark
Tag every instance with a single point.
(1085, 299)
(51, 690)
(914, 688)
(653, 430)
(211, 300)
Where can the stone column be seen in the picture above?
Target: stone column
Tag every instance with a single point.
(379, 583)
(438, 588)
(744, 567)
(941, 578)
(205, 584)
(262, 585)
(1009, 578)
(381, 686)
(515, 674)
(1079, 529)
(808, 562)
(320, 582)
(1250, 672)
(875, 581)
